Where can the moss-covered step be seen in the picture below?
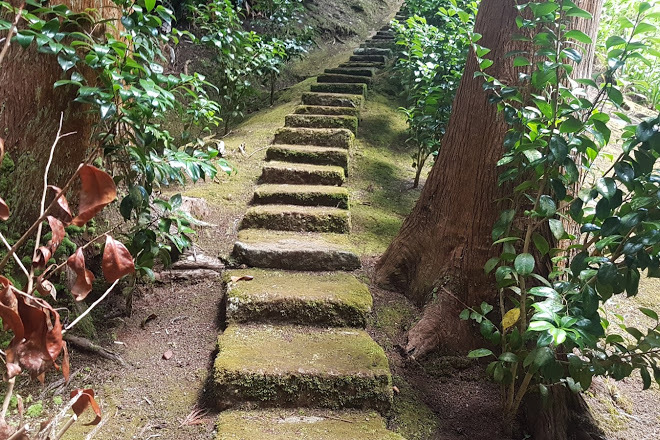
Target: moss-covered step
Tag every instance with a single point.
(328, 299)
(343, 78)
(322, 121)
(385, 33)
(368, 58)
(305, 195)
(295, 250)
(297, 218)
(309, 154)
(359, 71)
(377, 43)
(324, 137)
(373, 51)
(361, 64)
(332, 99)
(300, 366)
(302, 424)
(301, 174)
(347, 88)
(383, 37)
(326, 110)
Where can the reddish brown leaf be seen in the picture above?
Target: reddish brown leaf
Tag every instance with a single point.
(66, 366)
(243, 278)
(97, 190)
(117, 260)
(86, 400)
(84, 277)
(61, 210)
(41, 257)
(57, 228)
(31, 353)
(4, 210)
(11, 320)
(46, 288)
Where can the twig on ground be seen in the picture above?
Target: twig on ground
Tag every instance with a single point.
(98, 427)
(256, 151)
(90, 347)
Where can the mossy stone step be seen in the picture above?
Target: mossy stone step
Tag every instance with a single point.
(301, 174)
(299, 424)
(361, 64)
(333, 299)
(343, 78)
(346, 88)
(326, 110)
(297, 218)
(324, 137)
(373, 51)
(309, 154)
(301, 366)
(383, 37)
(332, 99)
(368, 58)
(359, 71)
(322, 121)
(385, 33)
(377, 43)
(305, 195)
(295, 250)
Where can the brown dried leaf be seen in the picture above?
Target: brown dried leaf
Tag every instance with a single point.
(4, 210)
(2, 155)
(97, 190)
(117, 260)
(57, 228)
(11, 320)
(86, 400)
(61, 210)
(41, 257)
(243, 278)
(31, 353)
(45, 288)
(168, 355)
(66, 366)
(84, 277)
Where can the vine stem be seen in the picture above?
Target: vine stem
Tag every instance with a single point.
(18, 260)
(14, 23)
(90, 308)
(5, 404)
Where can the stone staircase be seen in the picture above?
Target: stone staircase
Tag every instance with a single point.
(295, 361)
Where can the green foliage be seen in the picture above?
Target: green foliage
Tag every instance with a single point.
(641, 74)
(430, 64)
(553, 329)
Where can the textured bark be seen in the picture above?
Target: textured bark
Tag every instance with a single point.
(29, 116)
(445, 241)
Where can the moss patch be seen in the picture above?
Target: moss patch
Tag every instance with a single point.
(326, 110)
(354, 89)
(299, 173)
(297, 218)
(322, 121)
(336, 299)
(289, 365)
(311, 195)
(308, 154)
(326, 137)
(410, 416)
(332, 99)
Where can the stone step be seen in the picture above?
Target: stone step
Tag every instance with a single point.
(308, 424)
(332, 99)
(351, 64)
(400, 17)
(324, 137)
(301, 366)
(309, 154)
(307, 195)
(355, 88)
(377, 43)
(373, 51)
(322, 121)
(342, 78)
(334, 299)
(295, 250)
(368, 58)
(326, 110)
(358, 71)
(385, 33)
(297, 218)
(383, 37)
(301, 174)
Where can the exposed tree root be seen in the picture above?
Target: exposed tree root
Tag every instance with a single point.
(90, 347)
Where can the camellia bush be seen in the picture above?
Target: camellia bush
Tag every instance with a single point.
(550, 323)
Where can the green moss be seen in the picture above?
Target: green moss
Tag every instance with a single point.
(326, 137)
(310, 195)
(393, 319)
(300, 173)
(326, 110)
(349, 88)
(322, 121)
(308, 154)
(332, 99)
(410, 416)
(336, 299)
(297, 218)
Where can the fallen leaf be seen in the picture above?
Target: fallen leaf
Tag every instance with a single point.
(84, 277)
(45, 288)
(57, 229)
(61, 210)
(117, 260)
(149, 318)
(97, 190)
(168, 355)
(86, 400)
(41, 257)
(4, 210)
(243, 278)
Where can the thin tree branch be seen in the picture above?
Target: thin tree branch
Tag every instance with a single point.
(5, 48)
(18, 260)
(89, 309)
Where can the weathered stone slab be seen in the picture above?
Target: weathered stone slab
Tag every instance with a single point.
(305, 195)
(343, 78)
(322, 121)
(297, 218)
(332, 99)
(326, 110)
(324, 137)
(360, 71)
(309, 154)
(302, 174)
(373, 51)
(355, 88)
(368, 58)
(326, 299)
